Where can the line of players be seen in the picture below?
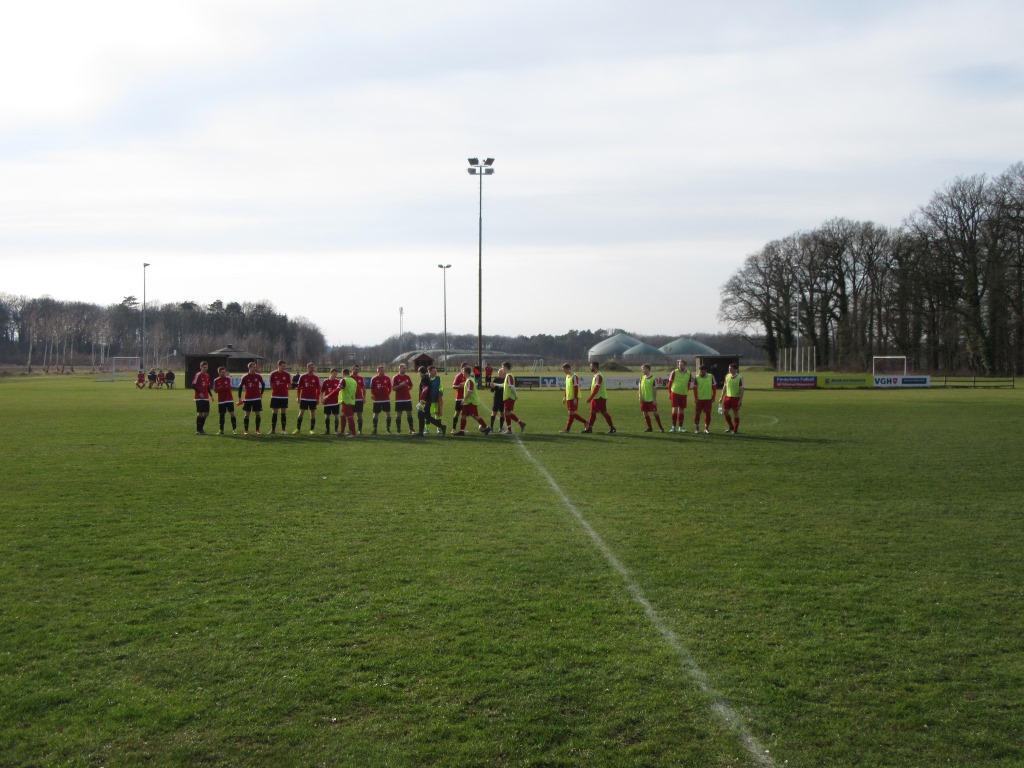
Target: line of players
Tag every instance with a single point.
(343, 399)
(681, 382)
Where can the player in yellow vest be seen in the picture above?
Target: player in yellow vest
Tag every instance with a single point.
(704, 389)
(470, 403)
(348, 404)
(571, 398)
(679, 383)
(649, 397)
(510, 396)
(732, 399)
(598, 399)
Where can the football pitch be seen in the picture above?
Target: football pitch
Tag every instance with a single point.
(841, 584)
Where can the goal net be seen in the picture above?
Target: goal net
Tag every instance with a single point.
(122, 369)
(889, 365)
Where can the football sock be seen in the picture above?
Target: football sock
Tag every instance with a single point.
(273, 421)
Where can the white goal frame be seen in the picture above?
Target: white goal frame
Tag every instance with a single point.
(891, 365)
(122, 363)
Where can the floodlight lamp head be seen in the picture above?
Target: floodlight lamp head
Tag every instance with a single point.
(474, 161)
(471, 171)
(487, 171)
(489, 161)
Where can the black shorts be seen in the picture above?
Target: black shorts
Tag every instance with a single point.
(279, 402)
(403, 405)
(357, 407)
(307, 405)
(254, 406)
(228, 407)
(458, 406)
(202, 406)
(383, 405)
(332, 410)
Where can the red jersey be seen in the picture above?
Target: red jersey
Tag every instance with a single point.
(201, 386)
(360, 387)
(222, 386)
(253, 384)
(380, 388)
(140, 379)
(458, 383)
(403, 387)
(309, 387)
(280, 383)
(331, 388)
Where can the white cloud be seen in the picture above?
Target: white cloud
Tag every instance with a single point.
(679, 136)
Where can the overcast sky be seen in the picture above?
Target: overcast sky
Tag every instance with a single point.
(313, 154)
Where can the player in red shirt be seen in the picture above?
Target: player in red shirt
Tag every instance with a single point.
(330, 389)
(458, 384)
(402, 386)
(280, 391)
(308, 394)
(160, 379)
(252, 385)
(140, 381)
(225, 401)
(360, 396)
(201, 392)
(380, 391)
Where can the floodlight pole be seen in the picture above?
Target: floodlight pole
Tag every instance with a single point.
(144, 265)
(444, 272)
(481, 169)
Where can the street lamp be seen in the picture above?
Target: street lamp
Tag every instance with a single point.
(144, 265)
(476, 168)
(444, 272)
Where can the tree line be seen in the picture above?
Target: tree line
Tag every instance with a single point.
(51, 334)
(946, 288)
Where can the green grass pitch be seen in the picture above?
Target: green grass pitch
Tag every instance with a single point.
(838, 585)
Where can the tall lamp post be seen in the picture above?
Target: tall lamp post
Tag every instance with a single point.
(444, 272)
(476, 168)
(144, 265)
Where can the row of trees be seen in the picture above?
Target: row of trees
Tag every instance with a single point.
(51, 334)
(946, 288)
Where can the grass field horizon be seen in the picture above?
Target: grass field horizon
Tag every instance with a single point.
(842, 580)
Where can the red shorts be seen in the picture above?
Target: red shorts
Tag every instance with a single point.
(470, 411)
(651, 407)
(677, 401)
(702, 406)
(572, 405)
(599, 405)
(347, 410)
(510, 405)
(731, 404)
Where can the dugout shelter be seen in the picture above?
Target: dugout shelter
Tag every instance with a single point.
(718, 365)
(235, 360)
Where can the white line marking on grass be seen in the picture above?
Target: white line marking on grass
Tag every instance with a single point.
(719, 705)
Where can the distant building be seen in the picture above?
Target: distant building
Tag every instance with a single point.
(687, 349)
(644, 353)
(612, 347)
